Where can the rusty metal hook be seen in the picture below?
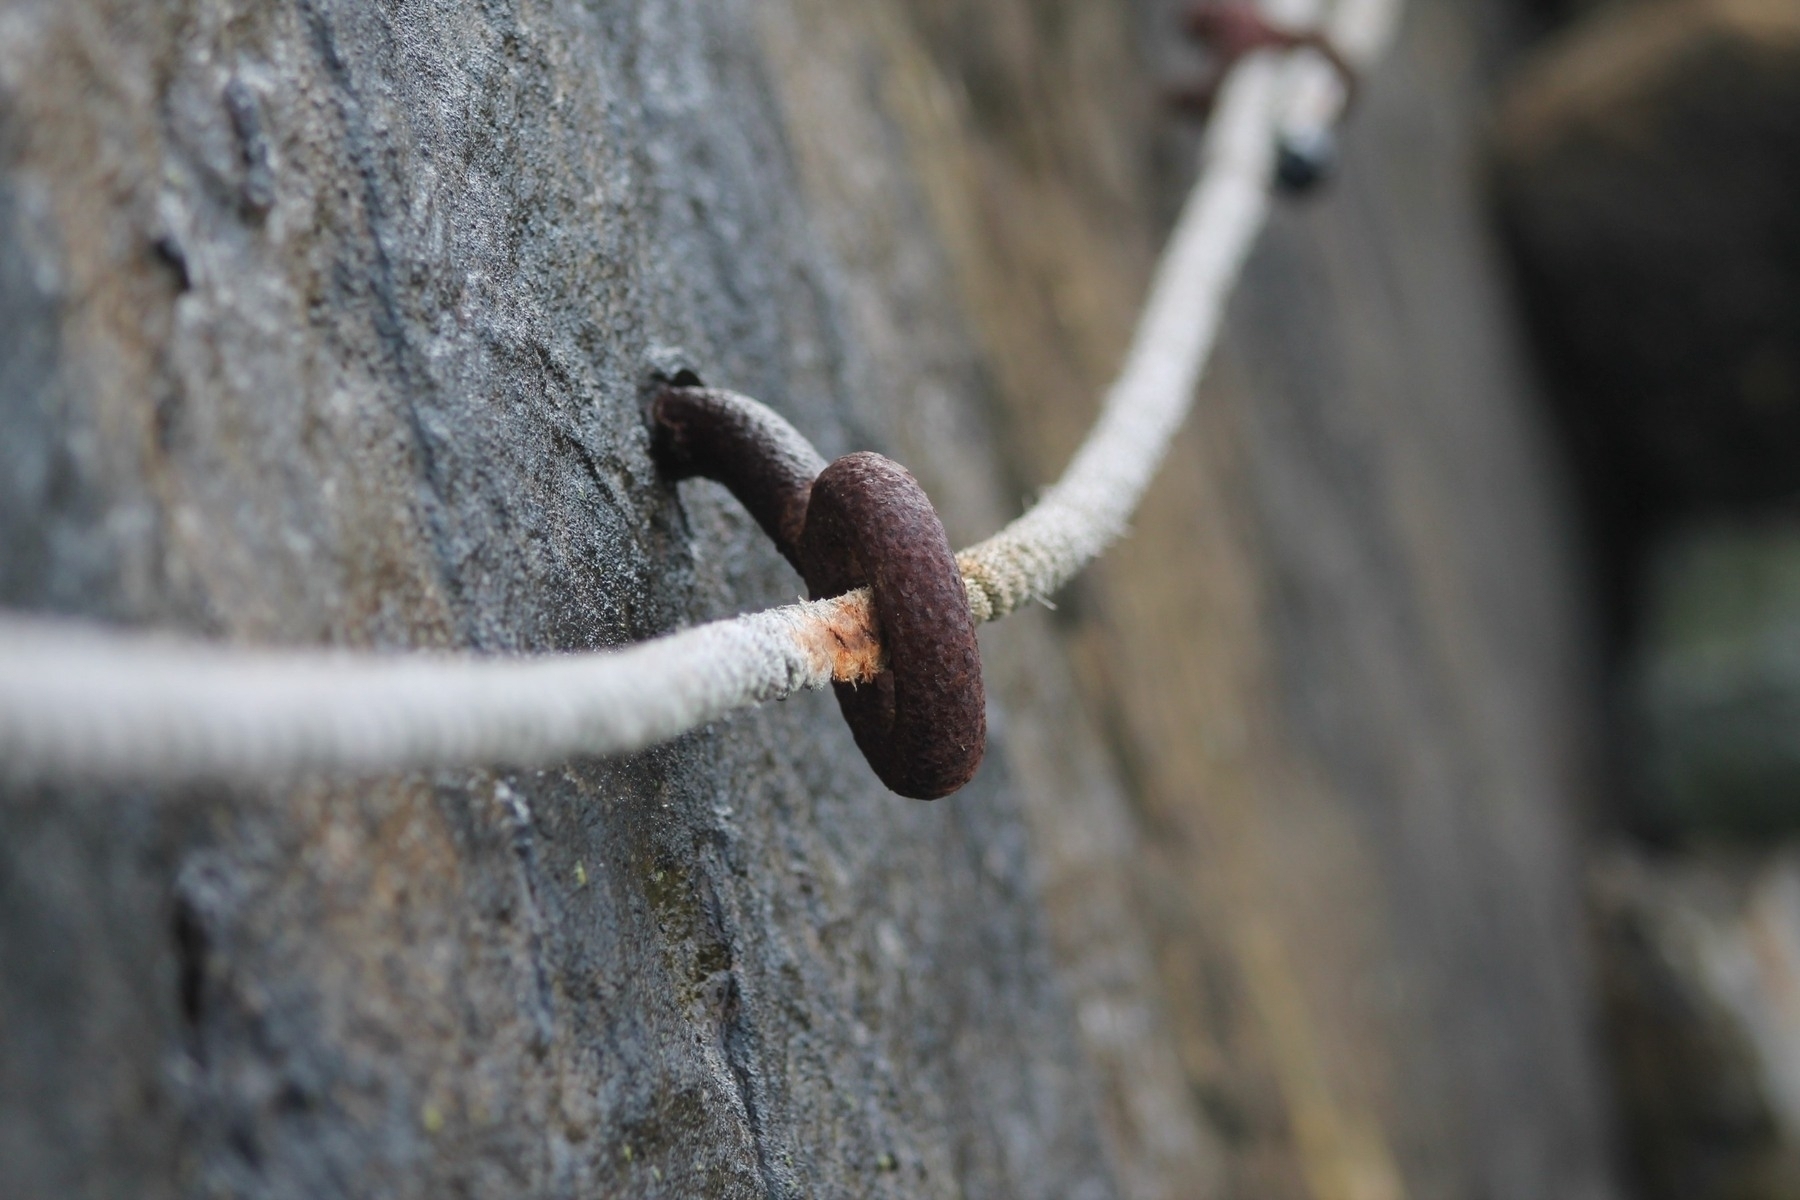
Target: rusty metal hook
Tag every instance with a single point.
(862, 520)
(731, 439)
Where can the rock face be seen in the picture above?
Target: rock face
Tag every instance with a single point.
(325, 324)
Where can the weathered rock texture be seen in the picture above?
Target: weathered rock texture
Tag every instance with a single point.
(330, 323)
(324, 323)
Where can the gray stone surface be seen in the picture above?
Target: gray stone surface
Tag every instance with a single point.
(324, 324)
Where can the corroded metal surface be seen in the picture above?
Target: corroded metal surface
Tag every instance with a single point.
(703, 433)
(922, 723)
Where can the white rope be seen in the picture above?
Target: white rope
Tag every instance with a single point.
(1088, 508)
(74, 701)
(83, 703)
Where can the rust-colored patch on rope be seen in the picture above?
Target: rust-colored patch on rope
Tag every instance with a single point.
(842, 641)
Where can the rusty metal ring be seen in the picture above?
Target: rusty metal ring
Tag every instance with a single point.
(922, 723)
(860, 521)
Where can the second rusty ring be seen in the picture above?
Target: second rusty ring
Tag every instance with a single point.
(862, 520)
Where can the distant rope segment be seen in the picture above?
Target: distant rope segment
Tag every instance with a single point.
(79, 702)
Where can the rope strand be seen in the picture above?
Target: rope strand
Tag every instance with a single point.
(78, 702)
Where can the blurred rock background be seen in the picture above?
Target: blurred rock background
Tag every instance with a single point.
(1647, 173)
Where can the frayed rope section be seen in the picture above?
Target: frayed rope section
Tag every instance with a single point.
(82, 703)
